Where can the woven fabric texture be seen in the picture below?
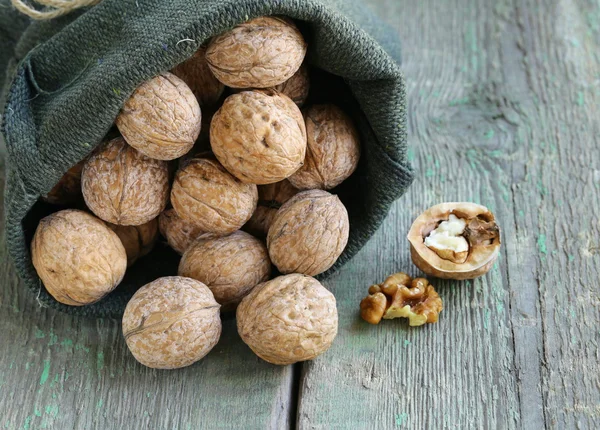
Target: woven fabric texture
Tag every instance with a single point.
(70, 76)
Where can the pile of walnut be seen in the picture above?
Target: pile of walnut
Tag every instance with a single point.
(249, 193)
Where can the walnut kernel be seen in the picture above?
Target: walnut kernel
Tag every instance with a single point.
(373, 307)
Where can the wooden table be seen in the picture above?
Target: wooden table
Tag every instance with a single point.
(503, 111)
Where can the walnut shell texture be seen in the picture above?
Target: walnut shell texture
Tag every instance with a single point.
(68, 188)
(308, 233)
(198, 76)
(171, 323)
(138, 240)
(78, 258)
(297, 87)
(123, 186)
(259, 136)
(162, 118)
(260, 53)
(230, 266)
(333, 149)
(179, 233)
(212, 199)
(288, 319)
(270, 198)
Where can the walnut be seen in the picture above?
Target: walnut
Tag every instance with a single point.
(230, 266)
(179, 233)
(259, 136)
(260, 53)
(333, 149)
(270, 199)
(198, 76)
(138, 240)
(399, 296)
(68, 188)
(288, 319)
(78, 258)
(455, 241)
(296, 87)
(171, 323)
(162, 118)
(308, 233)
(206, 195)
(123, 186)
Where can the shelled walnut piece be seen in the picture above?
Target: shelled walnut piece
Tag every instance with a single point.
(399, 296)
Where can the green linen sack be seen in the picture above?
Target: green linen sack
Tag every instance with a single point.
(67, 79)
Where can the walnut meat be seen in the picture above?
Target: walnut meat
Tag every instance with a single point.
(171, 323)
(68, 188)
(259, 136)
(260, 53)
(270, 198)
(288, 319)
(308, 233)
(198, 76)
(138, 240)
(123, 186)
(455, 241)
(333, 149)
(162, 118)
(208, 196)
(230, 266)
(78, 258)
(179, 233)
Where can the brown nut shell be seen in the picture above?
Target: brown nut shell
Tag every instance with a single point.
(333, 149)
(179, 233)
(270, 198)
(481, 255)
(123, 186)
(162, 118)
(78, 258)
(308, 233)
(297, 87)
(259, 136)
(260, 53)
(230, 266)
(138, 240)
(198, 76)
(212, 199)
(288, 319)
(68, 188)
(171, 323)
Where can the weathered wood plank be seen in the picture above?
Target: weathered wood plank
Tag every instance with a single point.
(61, 372)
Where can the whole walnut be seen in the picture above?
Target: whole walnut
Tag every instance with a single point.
(270, 199)
(230, 266)
(179, 233)
(308, 233)
(77, 257)
(171, 323)
(260, 53)
(198, 76)
(333, 149)
(123, 186)
(288, 319)
(68, 188)
(212, 199)
(259, 136)
(162, 118)
(297, 87)
(138, 240)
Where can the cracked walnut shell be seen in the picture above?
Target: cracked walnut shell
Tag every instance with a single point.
(123, 186)
(77, 257)
(270, 198)
(260, 53)
(455, 241)
(288, 319)
(230, 266)
(259, 136)
(333, 149)
(179, 233)
(308, 233)
(68, 188)
(162, 118)
(171, 323)
(212, 199)
(138, 240)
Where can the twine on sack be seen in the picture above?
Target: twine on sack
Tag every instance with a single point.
(51, 8)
